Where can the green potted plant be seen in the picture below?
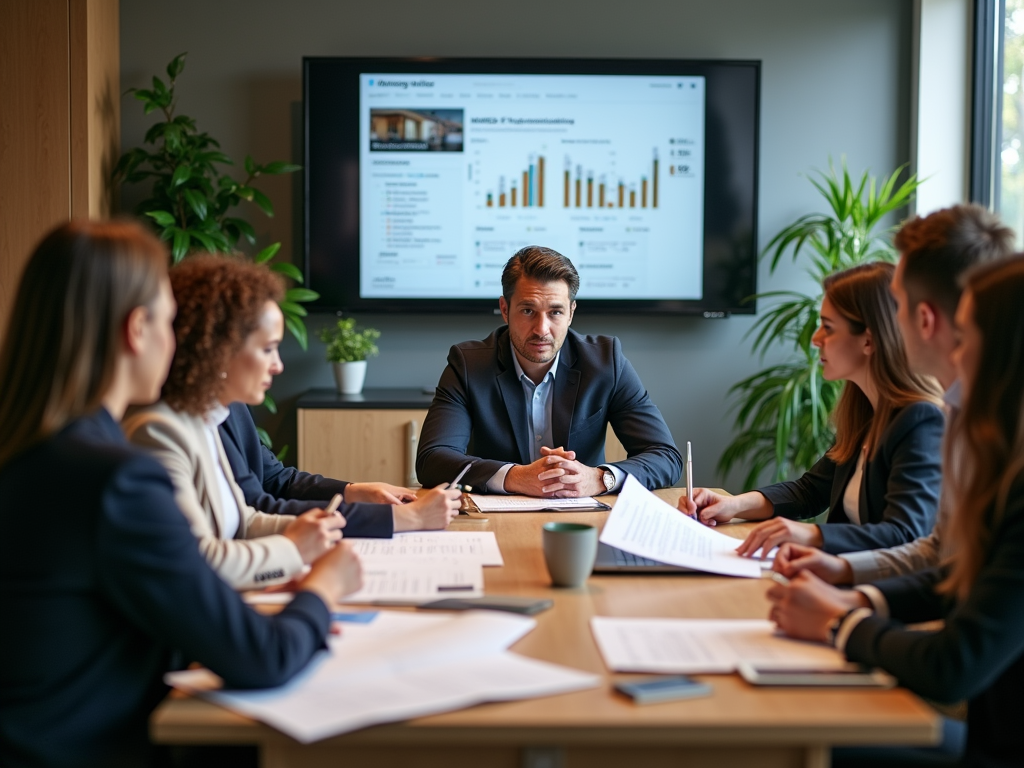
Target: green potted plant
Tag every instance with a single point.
(193, 204)
(783, 412)
(347, 349)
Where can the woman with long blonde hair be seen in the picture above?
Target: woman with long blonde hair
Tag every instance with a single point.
(880, 480)
(978, 655)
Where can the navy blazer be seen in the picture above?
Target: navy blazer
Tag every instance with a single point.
(899, 493)
(479, 413)
(978, 655)
(100, 585)
(271, 487)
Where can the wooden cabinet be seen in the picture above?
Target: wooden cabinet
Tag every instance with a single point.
(371, 436)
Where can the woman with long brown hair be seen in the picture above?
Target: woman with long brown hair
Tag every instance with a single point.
(880, 480)
(101, 582)
(978, 655)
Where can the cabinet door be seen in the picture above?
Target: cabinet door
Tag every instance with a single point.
(360, 445)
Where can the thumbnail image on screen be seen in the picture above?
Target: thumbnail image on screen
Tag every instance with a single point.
(457, 172)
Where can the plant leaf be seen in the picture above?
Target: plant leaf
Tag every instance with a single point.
(288, 270)
(176, 66)
(298, 330)
(278, 167)
(263, 202)
(196, 201)
(163, 218)
(301, 295)
(291, 308)
(264, 437)
(181, 174)
(267, 253)
(269, 403)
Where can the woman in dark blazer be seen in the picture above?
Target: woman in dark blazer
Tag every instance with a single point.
(101, 582)
(978, 655)
(880, 480)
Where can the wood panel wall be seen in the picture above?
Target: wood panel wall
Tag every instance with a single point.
(59, 124)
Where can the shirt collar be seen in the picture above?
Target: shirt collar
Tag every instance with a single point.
(519, 369)
(216, 416)
(952, 396)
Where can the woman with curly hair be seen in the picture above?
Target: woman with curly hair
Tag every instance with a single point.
(228, 329)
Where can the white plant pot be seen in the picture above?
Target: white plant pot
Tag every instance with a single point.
(350, 376)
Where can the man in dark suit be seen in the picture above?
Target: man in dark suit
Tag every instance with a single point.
(530, 404)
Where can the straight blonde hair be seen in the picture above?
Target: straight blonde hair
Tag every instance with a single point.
(58, 358)
(985, 452)
(862, 297)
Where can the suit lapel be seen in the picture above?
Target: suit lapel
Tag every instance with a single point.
(512, 393)
(844, 473)
(563, 403)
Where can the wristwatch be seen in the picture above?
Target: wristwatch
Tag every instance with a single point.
(609, 480)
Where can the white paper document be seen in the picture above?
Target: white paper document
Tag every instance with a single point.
(645, 525)
(401, 665)
(499, 503)
(481, 545)
(418, 580)
(693, 646)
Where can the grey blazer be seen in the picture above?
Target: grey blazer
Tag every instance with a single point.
(258, 555)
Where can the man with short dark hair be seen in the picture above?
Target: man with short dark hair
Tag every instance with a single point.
(530, 404)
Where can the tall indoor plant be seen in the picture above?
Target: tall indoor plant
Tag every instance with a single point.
(192, 202)
(783, 411)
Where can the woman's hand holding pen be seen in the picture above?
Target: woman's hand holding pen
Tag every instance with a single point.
(317, 531)
(712, 508)
(432, 510)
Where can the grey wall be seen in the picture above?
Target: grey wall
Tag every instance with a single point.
(835, 83)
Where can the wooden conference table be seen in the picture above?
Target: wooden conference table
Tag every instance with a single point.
(738, 725)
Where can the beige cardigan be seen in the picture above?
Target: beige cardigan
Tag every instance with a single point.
(258, 555)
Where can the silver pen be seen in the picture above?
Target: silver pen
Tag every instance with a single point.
(689, 472)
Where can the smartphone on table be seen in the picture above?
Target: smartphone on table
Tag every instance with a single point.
(850, 676)
(654, 690)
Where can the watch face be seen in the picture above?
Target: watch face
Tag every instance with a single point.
(609, 481)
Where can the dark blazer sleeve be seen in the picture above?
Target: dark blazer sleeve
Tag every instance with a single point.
(271, 487)
(652, 455)
(805, 497)
(149, 567)
(981, 638)
(903, 496)
(912, 597)
(447, 430)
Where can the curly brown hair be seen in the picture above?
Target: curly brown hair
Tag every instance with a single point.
(220, 300)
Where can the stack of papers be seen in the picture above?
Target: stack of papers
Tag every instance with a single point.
(498, 503)
(398, 666)
(645, 525)
(419, 567)
(472, 545)
(694, 646)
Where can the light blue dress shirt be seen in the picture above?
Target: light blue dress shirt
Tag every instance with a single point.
(539, 398)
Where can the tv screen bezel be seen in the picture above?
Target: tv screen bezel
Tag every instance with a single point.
(744, 260)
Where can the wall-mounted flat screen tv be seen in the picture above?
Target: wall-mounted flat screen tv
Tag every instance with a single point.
(423, 176)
